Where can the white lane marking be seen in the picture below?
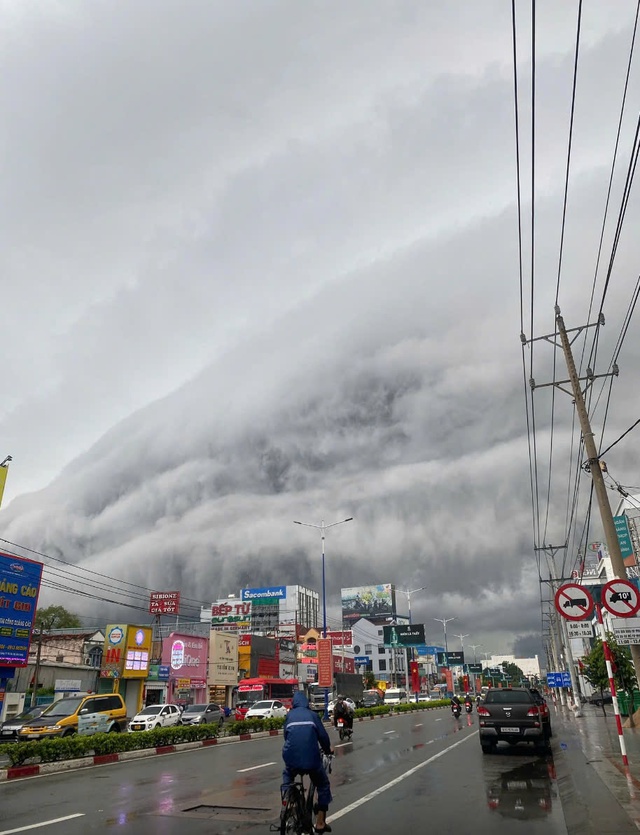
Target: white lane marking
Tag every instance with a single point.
(350, 808)
(44, 823)
(419, 725)
(389, 732)
(240, 770)
(342, 744)
(439, 720)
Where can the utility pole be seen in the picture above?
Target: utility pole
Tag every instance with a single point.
(593, 461)
(34, 692)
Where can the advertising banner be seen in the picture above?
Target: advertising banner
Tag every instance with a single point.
(4, 469)
(228, 615)
(371, 602)
(325, 662)
(223, 659)
(624, 537)
(264, 618)
(455, 658)
(19, 588)
(415, 676)
(164, 602)
(186, 656)
(403, 635)
(286, 651)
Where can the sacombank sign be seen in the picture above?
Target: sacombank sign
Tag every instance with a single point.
(272, 593)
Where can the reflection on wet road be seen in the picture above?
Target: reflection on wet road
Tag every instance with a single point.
(397, 772)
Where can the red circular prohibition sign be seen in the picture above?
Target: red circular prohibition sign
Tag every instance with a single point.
(575, 598)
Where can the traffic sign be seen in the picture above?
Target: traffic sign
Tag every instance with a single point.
(559, 679)
(473, 668)
(580, 629)
(574, 602)
(627, 630)
(621, 598)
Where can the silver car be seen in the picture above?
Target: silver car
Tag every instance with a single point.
(204, 714)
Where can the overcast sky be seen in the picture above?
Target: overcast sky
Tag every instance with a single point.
(259, 262)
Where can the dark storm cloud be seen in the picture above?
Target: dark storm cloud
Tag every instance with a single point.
(266, 260)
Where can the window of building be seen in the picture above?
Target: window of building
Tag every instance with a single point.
(381, 650)
(368, 649)
(382, 665)
(379, 633)
(59, 658)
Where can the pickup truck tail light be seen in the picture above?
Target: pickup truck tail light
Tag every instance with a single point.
(482, 711)
(533, 711)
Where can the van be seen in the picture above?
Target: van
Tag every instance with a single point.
(61, 717)
(395, 696)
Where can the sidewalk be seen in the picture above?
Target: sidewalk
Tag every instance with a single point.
(589, 746)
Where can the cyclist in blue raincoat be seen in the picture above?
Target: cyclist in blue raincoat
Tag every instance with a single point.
(304, 736)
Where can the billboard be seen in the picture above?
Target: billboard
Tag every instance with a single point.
(164, 602)
(19, 589)
(341, 638)
(403, 635)
(371, 602)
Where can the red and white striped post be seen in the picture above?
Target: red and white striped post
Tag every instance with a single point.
(612, 686)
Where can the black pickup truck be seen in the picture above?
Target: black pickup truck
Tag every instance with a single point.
(513, 715)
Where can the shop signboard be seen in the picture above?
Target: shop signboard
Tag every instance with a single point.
(186, 655)
(164, 602)
(228, 615)
(223, 658)
(19, 589)
(341, 637)
(265, 596)
(137, 652)
(624, 536)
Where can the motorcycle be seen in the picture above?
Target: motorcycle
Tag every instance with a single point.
(468, 706)
(343, 729)
(456, 710)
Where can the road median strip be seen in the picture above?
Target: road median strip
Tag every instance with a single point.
(18, 772)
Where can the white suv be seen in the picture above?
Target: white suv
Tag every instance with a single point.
(155, 716)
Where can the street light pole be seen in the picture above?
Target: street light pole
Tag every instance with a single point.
(322, 528)
(408, 593)
(444, 622)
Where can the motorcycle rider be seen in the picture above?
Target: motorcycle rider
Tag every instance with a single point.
(304, 735)
(455, 704)
(343, 710)
(468, 702)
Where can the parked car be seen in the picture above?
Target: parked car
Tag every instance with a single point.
(204, 714)
(61, 717)
(333, 702)
(600, 699)
(268, 709)
(155, 716)
(10, 728)
(511, 715)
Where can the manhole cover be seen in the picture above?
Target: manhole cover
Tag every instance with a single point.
(255, 814)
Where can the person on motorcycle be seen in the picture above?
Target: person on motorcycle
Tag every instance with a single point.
(455, 704)
(468, 699)
(343, 710)
(304, 736)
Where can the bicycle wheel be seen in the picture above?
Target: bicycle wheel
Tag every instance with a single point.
(291, 816)
(311, 808)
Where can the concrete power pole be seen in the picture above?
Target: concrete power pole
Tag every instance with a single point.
(611, 537)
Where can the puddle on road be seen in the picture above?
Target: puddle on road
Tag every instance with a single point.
(524, 792)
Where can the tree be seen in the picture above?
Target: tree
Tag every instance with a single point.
(595, 667)
(369, 680)
(56, 617)
(516, 676)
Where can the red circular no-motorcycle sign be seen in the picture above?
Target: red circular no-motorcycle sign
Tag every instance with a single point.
(621, 598)
(574, 602)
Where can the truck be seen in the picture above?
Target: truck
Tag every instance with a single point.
(345, 684)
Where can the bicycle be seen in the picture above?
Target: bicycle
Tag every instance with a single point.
(299, 808)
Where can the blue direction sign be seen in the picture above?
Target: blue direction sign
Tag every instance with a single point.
(624, 537)
(361, 659)
(559, 679)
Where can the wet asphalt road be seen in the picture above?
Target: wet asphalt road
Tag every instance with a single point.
(424, 770)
